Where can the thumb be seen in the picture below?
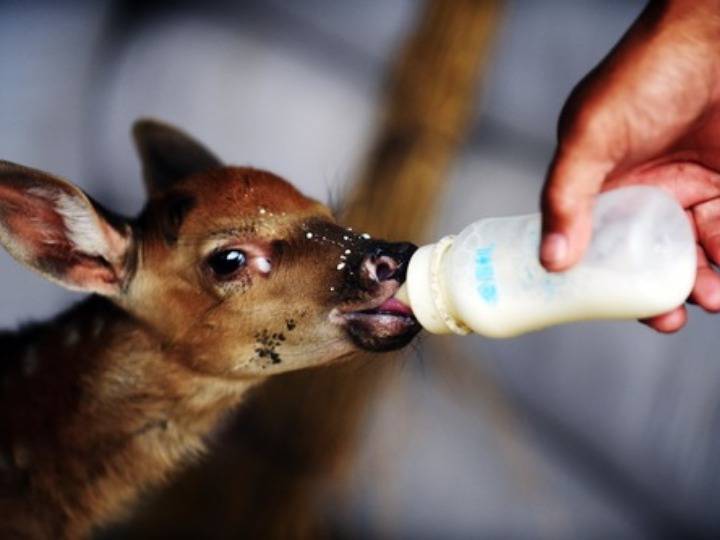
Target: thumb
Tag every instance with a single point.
(567, 202)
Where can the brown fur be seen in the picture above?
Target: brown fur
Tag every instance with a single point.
(113, 396)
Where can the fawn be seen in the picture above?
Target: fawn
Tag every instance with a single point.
(228, 276)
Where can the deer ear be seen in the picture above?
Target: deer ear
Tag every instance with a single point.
(55, 229)
(169, 155)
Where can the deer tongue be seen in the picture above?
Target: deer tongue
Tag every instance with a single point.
(394, 306)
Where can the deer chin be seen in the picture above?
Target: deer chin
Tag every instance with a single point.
(383, 324)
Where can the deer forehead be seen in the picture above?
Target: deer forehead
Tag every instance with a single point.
(241, 201)
(248, 191)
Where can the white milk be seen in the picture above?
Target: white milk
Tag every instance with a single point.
(640, 263)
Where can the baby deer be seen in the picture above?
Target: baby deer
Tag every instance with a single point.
(228, 276)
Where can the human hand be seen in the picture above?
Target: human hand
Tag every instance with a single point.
(648, 114)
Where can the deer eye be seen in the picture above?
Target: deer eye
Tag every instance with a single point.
(227, 262)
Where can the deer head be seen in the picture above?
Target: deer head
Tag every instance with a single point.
(232, 268)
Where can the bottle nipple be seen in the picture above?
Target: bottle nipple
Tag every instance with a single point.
(402, 294)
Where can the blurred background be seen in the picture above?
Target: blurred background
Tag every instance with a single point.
(593, 430)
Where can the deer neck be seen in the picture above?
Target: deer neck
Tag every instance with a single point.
(99, 392)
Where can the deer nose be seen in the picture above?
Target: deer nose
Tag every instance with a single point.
(385, 261)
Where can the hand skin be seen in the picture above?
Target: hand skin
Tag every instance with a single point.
(648, 114)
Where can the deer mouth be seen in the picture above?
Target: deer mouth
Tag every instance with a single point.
(382, 324)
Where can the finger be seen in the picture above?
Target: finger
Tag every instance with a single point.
(669, 322)
(702, 262)
(690, 184)
(567, 202)
(706, 291)
(707, 221)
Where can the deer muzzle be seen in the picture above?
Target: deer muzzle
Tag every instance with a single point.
(380, 322)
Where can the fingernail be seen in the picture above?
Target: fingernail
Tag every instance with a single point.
(554, 250)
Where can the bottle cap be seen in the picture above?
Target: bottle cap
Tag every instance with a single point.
(423, 289)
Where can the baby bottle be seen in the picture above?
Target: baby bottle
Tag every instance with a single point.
(488, 279)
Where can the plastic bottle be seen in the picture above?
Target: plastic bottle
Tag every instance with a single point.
(641, 262)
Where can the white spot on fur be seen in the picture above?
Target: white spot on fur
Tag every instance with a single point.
(262, 211)
(348, 252)
(72, 336)
(308, 235)
(263, 265)
(346, 237)
(365, 236)
(98, 325)
(30, 362)
(341, 266)
(332, 289)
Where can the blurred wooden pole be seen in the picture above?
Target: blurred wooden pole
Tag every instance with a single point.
(427, 110)
(297, 431)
